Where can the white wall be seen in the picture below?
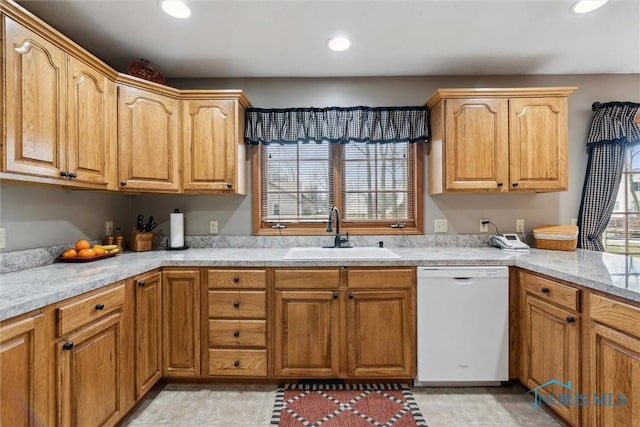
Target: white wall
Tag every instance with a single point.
(40, 216)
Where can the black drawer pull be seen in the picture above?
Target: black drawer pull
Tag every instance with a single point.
(350, 295)
(73, 175)
(236, 334)
(571, 319)
(141, 283)
(545, 290)
(64, 173)
(515, 184)
(236, 279)
(500, 184)
(236, 304)
(123, 183)
(67, 346)
(335, 295)
(236, 363)
(99, 306)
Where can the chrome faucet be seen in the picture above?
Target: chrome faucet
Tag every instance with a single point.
(339, 242)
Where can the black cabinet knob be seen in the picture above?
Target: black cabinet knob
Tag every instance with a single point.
(236, 304)
(123, 183)
(236, 363)
(236, 334)
(73, 175)
(236, 279)
(64, 173)
(350, 295)
(141, 283)
(67, 346)
(500, 184)
(335, 295)
(515, 184)
(571, 319)
(229, 186)
(545, 290)
(99, 306)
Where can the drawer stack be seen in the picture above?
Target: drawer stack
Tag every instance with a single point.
(237, 325)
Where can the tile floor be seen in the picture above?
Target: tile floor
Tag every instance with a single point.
(191, 405)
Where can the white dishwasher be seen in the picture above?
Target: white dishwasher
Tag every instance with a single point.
(463, 325)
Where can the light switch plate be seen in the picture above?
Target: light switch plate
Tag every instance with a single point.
(213, 227)
(519, 225)
(440, 225)
(108, 228)
(3, 238)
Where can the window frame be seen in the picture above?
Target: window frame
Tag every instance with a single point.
(356, 228)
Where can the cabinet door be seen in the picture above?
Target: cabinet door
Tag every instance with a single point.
(148, 156)
(615, 377)
(23, 373)
(90, 367)
(90, 124)
(148, 327)
(476, 150)
(35, 103)
(550, 353)
(538, 143)
(181, 323)
(381, 334)
(210, 145)
(306, 334)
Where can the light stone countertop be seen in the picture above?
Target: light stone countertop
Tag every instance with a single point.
(31, 289)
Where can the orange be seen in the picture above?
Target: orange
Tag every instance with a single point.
(86, 253)
(69, 253)
(98, 250)
(82, 244)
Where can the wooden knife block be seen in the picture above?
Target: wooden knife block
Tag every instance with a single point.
(140, 242)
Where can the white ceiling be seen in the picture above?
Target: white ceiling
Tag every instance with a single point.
(278, 38)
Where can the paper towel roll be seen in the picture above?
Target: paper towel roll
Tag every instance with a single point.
(177, 230)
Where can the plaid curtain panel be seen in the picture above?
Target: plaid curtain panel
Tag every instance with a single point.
(337, 125)
(612, 127)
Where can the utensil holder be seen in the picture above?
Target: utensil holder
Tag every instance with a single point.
(140, 242)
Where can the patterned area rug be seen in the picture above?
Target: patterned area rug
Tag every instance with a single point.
(346, 405)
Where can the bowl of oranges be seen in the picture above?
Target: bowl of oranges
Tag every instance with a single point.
(83, 251)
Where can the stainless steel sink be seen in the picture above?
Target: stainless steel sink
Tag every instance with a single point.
(340, 253)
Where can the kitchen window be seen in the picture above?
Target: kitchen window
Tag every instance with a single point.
(622, 235)
(376, 187)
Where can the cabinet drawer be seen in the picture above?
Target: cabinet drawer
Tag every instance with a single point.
(387, 278)
(237, 279)
(620, 316)
(237, 333)
(238, 304)
(238, 363)
(78, 313)
(549, 290)
(307, 279)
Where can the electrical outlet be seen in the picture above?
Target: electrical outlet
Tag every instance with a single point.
(108, 228)
(213, 227)
(574, 221)
(519, 225)
(484, 228)
(440, 225)
(3, 238)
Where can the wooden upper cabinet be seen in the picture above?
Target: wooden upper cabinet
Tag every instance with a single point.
(499, 140)
(213, 150)
(538, 143)
(91, 124)
(34, 103)
(148, 144)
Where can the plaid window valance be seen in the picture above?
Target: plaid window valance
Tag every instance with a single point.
(337, 125)
(614, 122)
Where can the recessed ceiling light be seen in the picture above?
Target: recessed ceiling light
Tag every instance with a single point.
(176, 8)
(338, 44)
(586, 6)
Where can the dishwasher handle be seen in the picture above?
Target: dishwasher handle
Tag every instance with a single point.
(463, 280)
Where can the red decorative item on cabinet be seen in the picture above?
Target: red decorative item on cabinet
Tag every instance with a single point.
(144, 70)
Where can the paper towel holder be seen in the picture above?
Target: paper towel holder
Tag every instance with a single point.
(179, 248)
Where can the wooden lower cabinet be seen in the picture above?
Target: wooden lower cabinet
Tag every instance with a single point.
(148, 331)
(380, 334)
(90, 366)
(613, 368)
(181, 323)
(24, 372)
(307, 334)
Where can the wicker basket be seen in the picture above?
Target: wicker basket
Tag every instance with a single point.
(556, 237)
